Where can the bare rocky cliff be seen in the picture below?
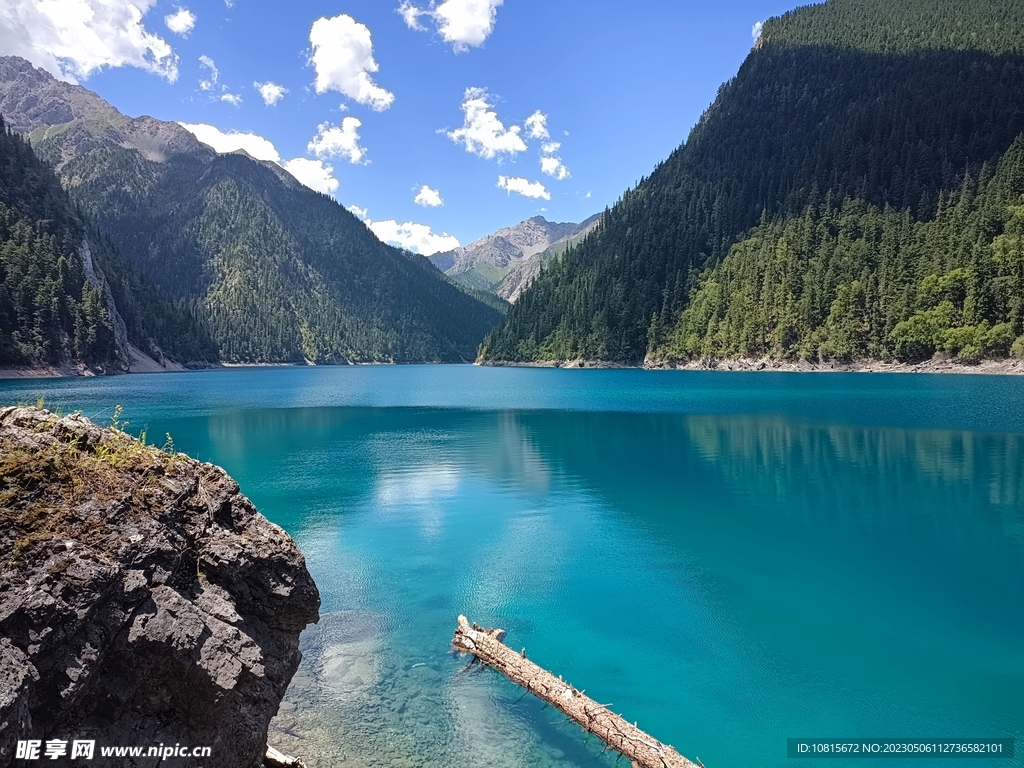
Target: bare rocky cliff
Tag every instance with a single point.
(31, 97)
(506, 262)
(143, 599)
(507, 245)
(523, 272)
(67, 121)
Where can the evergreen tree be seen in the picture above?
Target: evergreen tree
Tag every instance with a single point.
(845, 113)
(271, 270)
(851, 281)
(54, 310)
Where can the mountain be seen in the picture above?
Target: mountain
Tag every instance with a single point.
(504, 263)
(843, 113)
(852, 281)
(524, 271)
(273, 271)
(67, 300)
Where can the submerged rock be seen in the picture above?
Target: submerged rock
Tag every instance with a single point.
(143, 600)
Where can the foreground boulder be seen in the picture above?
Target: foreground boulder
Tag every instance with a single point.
(144, 601)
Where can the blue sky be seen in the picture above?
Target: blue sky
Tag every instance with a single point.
(436, 122)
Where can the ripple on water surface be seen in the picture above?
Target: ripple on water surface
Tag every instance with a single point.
(730, 560)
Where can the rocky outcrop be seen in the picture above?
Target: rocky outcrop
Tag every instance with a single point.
(98, 281)
(506, 262)
(525, 239)
(523, 272)
(66, 121)
(143, 599)
(484, 263)
(938, 364)
(31, 97)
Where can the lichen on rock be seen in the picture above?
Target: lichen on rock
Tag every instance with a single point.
(143, 599)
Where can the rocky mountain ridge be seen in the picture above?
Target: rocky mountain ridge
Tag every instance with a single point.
(523, 273)
(505, 262)
(72, 120)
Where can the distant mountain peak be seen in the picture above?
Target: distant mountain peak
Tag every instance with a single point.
(31, 98)
(489, 264)
(33, 102)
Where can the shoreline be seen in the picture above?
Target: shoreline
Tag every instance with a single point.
(19, 372)
(1005, 367)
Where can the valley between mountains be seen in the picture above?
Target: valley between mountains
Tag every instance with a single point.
(853, 197)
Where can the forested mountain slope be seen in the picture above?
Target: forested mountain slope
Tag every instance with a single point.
(847, 280)
(277, 272)
(850, 103)
(66, 299)
(272, 270)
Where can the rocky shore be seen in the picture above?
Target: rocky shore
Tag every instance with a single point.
(143, 600)
(1005, 367)
(1009, 366)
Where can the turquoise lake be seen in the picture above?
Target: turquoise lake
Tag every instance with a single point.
(729, 559)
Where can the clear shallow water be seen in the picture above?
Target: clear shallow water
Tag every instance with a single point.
(729, 559)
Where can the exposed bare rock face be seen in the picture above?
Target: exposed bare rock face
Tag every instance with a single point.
(143, 599)
(506, 262)
(67, 121)
(32, 97)
(525, 239)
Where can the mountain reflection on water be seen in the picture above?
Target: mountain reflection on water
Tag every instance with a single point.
(726, 580)
(728, 559)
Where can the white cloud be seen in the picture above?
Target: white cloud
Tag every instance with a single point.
(550, 164)
(418, 238)
(588, 195)
(755, 31)
(212, 84)
(428, 198)
(466, 23)
(181, 21)
(411, 14)
(314, 174)
(343, 60)
(553, 166)
(231, 141)
(74, 38)
(482, 133)
(523, 187)
(206, 62)
(462, 23)
(270, 92)
(338, 141)
(537, 125)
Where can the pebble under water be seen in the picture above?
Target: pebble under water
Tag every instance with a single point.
(728, 559)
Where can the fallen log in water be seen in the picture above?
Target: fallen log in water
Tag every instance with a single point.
(487, 646)
(275, 759)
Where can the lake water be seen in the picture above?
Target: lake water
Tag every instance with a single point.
(729, 559)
